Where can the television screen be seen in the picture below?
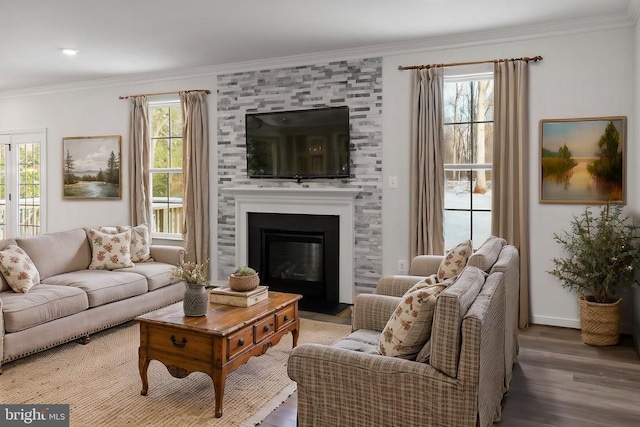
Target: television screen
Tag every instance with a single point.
(298, 144)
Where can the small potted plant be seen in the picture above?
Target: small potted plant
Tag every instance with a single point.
(602, 256)
(244, 279)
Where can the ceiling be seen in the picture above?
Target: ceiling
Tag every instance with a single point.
(118, 38)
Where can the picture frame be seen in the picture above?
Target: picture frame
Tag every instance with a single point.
(583, 160)
(91, 167)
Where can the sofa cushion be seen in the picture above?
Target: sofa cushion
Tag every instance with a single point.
(409, 327)
(451, 307)
(58, 253)
(109, 251)
(102, 286)
(362, 340)
(4, 286)
(158, 274)
(140, 248)
(140, 241)
(42, 304)
(455, 260)
(487, 254)
(18, 269)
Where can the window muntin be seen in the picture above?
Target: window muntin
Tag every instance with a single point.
(166, 168)
(468, 133)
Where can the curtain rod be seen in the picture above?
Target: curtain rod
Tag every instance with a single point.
(207, 91)
(455, 64)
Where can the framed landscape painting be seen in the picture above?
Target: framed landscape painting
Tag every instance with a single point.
(91, 167)
(583, 160)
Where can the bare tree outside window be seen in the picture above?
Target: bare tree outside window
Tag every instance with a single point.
(468, 130)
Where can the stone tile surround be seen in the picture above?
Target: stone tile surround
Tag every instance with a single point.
(356, 83)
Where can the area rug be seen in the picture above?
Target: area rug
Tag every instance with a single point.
(101, 382)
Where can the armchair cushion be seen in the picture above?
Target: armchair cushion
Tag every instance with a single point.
(455, 260)
(362, 340)
(409, 327)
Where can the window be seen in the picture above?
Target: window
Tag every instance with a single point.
(21, 187)
(468, 134)
(166, 168)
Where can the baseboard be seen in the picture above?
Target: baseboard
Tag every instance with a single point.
(556, 321)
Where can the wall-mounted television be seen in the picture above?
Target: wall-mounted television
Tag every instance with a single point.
(299, 144)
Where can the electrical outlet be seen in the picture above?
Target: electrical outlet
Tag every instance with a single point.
(403, 266)
(393, 182)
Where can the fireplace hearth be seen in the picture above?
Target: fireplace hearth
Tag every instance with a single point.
(298, 253)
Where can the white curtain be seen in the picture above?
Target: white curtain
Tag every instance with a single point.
(196, 175)
(139, 162)
(510, 184)
(427, 163)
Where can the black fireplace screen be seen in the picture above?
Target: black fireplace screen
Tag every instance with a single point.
(294, 257)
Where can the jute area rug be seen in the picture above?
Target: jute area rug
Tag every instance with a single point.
(101, 382)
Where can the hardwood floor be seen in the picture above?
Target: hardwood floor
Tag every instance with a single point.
(557, 381)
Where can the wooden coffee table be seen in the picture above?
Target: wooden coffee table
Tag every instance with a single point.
(217, 343)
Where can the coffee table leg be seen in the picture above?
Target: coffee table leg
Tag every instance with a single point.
(219, 380)
(294, 334)
(143, 365)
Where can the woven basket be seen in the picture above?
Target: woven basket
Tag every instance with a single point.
(243, 283)
(599, 322)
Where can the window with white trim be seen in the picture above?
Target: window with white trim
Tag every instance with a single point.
(468, 134)
(22, 189)
(166, 168)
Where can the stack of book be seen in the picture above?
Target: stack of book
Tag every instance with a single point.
(224, 295)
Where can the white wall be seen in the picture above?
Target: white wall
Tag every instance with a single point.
(94, 111)
(584, 75)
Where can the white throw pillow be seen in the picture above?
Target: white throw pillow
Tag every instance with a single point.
(109, 251)
(18, 269)
(409, 327)
(455, 261)
(140, 241)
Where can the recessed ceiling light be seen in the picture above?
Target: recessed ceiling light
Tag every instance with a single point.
(68, 51)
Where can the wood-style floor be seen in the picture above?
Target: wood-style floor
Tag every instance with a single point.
(557, 381)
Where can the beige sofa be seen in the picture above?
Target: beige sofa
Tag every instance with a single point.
(71, 301)
(473, 346)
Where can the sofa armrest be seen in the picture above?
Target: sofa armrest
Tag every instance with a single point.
(425, 265)
(173, 255)
(342, 387)
(373, 311)
(396, 285)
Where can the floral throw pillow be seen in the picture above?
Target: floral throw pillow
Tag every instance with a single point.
(18, 269)
(409, 327)
(109, 251)
(140, 240)
(455, 261)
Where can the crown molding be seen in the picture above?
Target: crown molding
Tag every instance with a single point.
(469, 39)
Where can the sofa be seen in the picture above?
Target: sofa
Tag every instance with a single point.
(459, 375)
(72, 297)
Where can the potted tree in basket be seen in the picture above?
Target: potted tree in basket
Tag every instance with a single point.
(602, 256)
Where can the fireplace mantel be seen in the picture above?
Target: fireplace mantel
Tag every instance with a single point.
(306, 201)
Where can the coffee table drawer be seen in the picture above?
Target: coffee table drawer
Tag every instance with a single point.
(285, 316)
(264, 328)
(239, 341)
(180, 342)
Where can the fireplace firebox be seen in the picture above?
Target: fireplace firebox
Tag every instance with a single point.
(299, 254)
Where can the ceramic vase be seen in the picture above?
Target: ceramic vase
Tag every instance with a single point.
(196, 300)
